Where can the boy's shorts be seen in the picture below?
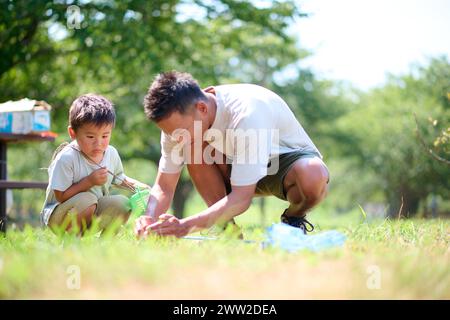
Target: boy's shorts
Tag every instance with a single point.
(108, 207)
(273, 184)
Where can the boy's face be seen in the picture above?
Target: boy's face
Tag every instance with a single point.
(93, 140)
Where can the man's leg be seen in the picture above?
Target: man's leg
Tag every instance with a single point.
(305, 184)
(212, 181)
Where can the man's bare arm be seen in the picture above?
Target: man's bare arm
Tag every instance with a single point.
(162, 194)
(237, 202)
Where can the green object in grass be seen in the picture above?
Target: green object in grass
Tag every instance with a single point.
(138, 202)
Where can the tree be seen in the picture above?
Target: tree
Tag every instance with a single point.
(119, 47)
(382, 131)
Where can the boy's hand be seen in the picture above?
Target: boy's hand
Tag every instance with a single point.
(98, 177)
(143, 185)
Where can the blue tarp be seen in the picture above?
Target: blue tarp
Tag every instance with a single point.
(293, 239)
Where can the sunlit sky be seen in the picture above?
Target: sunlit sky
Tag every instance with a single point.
(361, 41)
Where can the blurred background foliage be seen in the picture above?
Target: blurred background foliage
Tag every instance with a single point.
(370, 140)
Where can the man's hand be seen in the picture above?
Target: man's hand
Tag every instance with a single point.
(167, 225)
(98, 177)
(141, 224)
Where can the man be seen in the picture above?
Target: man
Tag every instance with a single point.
(238, 141)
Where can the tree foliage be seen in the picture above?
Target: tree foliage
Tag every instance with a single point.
(383, 134)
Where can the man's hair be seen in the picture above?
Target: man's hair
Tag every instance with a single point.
(171, 91)
(91, 108)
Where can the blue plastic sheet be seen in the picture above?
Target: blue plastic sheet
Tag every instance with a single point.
(293, 239)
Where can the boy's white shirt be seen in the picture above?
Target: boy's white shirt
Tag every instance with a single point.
(247, 106)
(70, 166)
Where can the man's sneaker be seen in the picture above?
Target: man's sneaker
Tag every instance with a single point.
(298, 222)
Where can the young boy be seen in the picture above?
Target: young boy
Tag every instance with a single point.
(82, 172)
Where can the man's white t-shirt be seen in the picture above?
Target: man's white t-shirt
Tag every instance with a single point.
(245, 112)
(70, 166)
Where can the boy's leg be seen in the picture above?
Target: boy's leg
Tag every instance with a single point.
(81, 207)
(113, 208)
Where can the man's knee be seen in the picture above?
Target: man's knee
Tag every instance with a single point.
(312, 177)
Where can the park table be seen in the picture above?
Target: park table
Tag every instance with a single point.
(5, 139)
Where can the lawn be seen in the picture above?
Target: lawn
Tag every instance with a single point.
(401, 259)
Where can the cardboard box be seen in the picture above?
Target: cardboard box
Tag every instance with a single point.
(24, 116)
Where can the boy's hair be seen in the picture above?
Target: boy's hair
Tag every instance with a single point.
(91, 108)
(171, 91)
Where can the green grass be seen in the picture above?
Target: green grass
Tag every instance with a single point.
(381, 259)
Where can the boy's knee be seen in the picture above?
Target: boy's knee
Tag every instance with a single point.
(113, 208)
(120, 202)
(89, 213)
(85, 207)
(81, 204)
(91, 209)
(85, 199)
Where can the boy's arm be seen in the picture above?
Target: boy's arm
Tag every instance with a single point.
(98, 177)
(237, 202)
